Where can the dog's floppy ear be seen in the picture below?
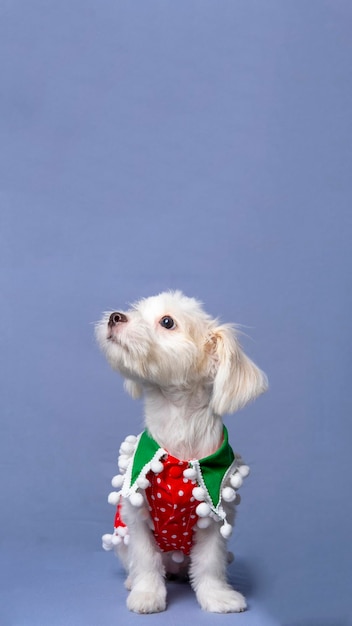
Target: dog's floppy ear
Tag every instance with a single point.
(237, 379)
(134, 389)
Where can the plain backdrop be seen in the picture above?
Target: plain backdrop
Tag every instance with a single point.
(199, 145)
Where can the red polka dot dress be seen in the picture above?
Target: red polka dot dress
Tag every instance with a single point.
(179, 494)
(172, 506)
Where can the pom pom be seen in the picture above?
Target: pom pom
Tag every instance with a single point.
(226, 530)
(204, 522)
(121, 531)
(136, 499)
(228, 494)
(190, 473)
(203, 509)
(127, 448)
(236, 480)
(143, 483)
(157, 467)
(244, 470)
(107, 542)
(178, 556)
(113, 498)
(123, 462)
(131, 439)
(116, 540)
(199, 493)
(117, 481)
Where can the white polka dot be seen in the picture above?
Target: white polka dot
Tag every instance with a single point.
(158, 495)
(173, 536)
(185, 480)
(185, 534)
(162, 510)
(158, 480)
(175, 506)
(181, 493)
(192, 499)
(164, 531)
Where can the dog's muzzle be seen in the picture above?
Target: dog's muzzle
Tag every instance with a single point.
(116, 318)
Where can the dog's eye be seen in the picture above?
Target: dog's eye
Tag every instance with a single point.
(167, 322)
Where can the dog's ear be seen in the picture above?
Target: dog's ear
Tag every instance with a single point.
(134, 389)
(237, 380)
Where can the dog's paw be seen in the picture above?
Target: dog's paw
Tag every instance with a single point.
(222, 600)
(146, 601)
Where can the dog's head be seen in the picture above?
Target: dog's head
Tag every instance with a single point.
(169, 341)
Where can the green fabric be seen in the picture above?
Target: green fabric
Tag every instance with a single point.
(213, 468)
(145, 451)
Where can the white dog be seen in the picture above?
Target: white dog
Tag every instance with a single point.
(190, 371)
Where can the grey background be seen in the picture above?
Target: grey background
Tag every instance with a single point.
(197, 145)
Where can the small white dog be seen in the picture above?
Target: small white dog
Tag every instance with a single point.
(179, 477)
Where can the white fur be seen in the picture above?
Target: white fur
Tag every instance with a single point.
(189, 376)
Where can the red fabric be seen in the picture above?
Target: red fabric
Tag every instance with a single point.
(118, 519)
(172, 506)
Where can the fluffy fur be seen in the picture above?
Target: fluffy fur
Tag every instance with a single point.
(190, 374)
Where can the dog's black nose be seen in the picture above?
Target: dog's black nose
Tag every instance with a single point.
(116, 317)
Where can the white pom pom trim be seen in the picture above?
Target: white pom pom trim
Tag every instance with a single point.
(143, 482)
(199, 493)
(156, 467)
(107, 542)
(190, 473)
(136, 499)
(131, 439)
(228, 494)
(178, 556)
(113, 498)
(116, 540)
(226, 530)
(123, 462)
(203, 509)
(244, 470)
(236, 480)
(117, 481)
(127, 448)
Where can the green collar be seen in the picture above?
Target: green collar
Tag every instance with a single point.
(211, 471)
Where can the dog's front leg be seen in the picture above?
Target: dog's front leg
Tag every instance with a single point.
(208, 573)
(148, 590)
